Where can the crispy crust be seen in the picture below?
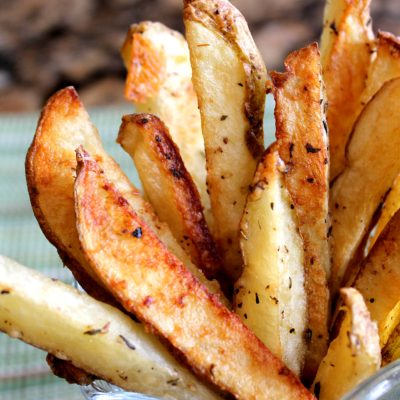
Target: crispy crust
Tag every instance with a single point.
(66, 370)
(222, 17)
(144, 82)
(345, 69)
(154, 284)
(49, 192)
(303, 146)
(179, 188)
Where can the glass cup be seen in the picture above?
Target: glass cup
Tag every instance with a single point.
(384, 385)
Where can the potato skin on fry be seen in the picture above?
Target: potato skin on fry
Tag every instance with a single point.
(302, 142)
(346, 48)
(150, 281)
(229, 78)
(174, 195)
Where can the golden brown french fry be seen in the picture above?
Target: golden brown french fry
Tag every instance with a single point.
(353, 355)
(151, 282)
(356, 195)
(386, 65)
(302, 142)
(92, 335)
(229, 78)
(391, 351)
(51, 169)
(389, 208)
(270, 296)
(379, 279)
(346, 47)
(159, 81)
(169, 188)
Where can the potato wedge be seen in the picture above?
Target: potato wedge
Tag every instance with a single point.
(391, 351)
(346, 47)
(356, 195)
(159, 81)
(386, 65)
(152, 283)
(229, 78)
(169, 187)
(51, 168)
(302, 142)
(353, 355)
(92, 335)
(389, 208)
(378, 279)
(270, 296)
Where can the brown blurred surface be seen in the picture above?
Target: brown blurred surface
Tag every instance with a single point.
(46, 45)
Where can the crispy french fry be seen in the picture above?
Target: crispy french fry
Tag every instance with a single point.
(51, 168)
(229, 78)
(151, 282)
(302, 142)
(92, 335)
(391, 351)
(358, 192)
(389, 208)
(353, 355)
(270, 296)
(379, 279)
(346, 47)
(159, 81)
(386, 65)
(169, 187)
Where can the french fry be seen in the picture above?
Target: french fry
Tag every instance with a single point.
(358, 192)
(302, 142)
(229, 78)
(169, 187)
(159, 81)
(391, 351)
(152, 283)
(92, 335)
(270, 296)
(353, 355)
(51, 168)
(346, 47)
(386, 65)
(378, 279)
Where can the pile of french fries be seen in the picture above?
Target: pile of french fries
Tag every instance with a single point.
(237, 271)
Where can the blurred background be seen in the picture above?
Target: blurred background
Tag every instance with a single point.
(46, 45)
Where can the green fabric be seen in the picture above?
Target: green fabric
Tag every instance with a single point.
(24, 373)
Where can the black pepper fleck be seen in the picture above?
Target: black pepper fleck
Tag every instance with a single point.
(137, 233)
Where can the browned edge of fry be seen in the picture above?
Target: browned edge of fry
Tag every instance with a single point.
(145, 67)
(303, 147)
(222, 17)
(168, 299)
(67, 99)
(204, 252)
